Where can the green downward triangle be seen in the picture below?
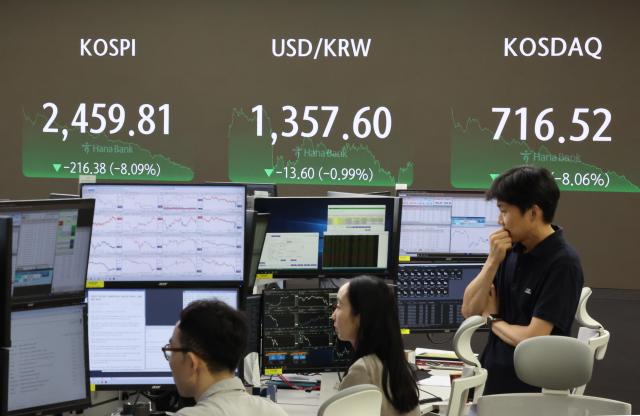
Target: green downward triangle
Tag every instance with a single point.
(57, 166)
(269, 172)
(494, 176)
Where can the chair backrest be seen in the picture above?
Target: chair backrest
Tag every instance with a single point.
(556, 364)
(360, 400)
(536, 404)
(474, 376)
(591, 332)
(553, 362)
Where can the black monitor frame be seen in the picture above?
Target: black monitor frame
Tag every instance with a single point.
(256, 231)
(4, 379)
(270, 188)
(393, 203)
(6, 238)
(57, 195)
(86, 205)
(55, 408)
(156, 285)
(171, 283)
(6, 231)
(443, 257)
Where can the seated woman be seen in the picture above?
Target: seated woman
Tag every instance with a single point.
(366, 316)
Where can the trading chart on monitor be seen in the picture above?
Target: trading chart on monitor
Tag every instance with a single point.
(446, 223)
(298, 334)
(151, 233)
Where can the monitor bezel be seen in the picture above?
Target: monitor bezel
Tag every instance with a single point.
(4, 379)
(149, 386)
(50, 205)
(173, 283)
(79, 404)
(442, 257)
(6, 238)
(394, 240)
(271, 188)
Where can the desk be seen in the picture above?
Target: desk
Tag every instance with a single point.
(302, 403)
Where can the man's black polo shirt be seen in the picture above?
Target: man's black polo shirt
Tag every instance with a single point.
(544, 283)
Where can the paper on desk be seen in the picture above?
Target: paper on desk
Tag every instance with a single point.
(433, 353)
(436, 381)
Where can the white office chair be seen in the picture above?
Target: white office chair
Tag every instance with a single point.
(556, 364)
(360, 400)
(591, 332)
(473, 375)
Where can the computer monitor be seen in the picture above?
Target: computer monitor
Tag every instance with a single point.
(6, 228)
(50, 248)
(298, 334)
(257, 223)
(128, 328)
(167, 233)
(48, 361)
(330, 237)
(446, 224)
(429, 296)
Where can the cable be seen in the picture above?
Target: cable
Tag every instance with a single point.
(289, 384)
(447, 339)
(104, 402)
(431, 399)
(137, 398)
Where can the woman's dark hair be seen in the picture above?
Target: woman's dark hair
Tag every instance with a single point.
(526, 186)
(379, 334)
(215, 332)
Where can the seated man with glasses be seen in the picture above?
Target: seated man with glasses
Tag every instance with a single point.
(203, 353)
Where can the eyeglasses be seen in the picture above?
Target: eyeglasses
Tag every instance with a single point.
(167, 350)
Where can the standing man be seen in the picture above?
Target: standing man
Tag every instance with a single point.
(203, 353)
(531, 281)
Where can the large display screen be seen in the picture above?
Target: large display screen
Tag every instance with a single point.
(380, 93)
(356, 95)
(167, 233)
